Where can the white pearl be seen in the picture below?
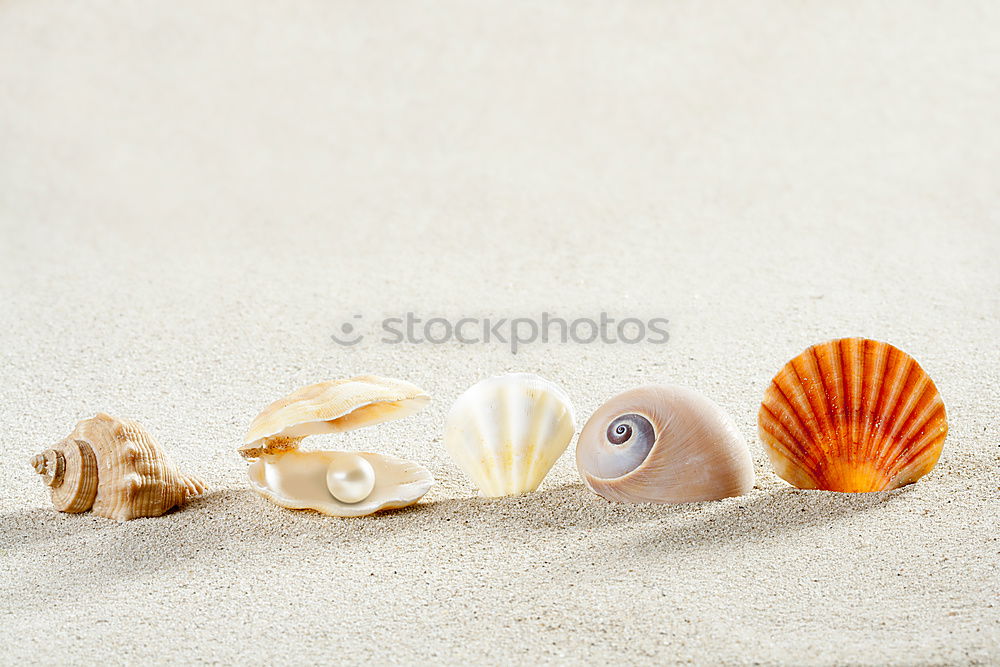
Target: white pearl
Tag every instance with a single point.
(350, 478)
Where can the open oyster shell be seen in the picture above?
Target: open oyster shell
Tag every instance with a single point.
(335, 483)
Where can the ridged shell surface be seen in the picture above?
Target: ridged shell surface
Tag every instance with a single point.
(663, 444)
(330, 407)
(115, 468)
(852, 415)
(298, 480)
(506, 432)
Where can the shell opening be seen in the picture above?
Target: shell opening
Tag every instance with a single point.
(626, 445)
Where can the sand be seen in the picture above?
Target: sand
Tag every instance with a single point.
(195, 195)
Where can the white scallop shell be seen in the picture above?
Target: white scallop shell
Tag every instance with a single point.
(506, 432)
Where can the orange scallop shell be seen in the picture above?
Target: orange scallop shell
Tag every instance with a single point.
(852, 415)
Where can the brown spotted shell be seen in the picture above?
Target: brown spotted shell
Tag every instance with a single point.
(115, 468)
(852, 415)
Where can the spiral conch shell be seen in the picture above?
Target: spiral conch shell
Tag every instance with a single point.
(663, 444)
(332, 482)
(852, 415)
(506, 432)
(115, 468)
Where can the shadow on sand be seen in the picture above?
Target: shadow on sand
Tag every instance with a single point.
(235, 522)
(759, 516)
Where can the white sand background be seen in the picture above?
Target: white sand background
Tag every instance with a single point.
(195, 195)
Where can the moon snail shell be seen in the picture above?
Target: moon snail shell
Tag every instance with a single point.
(663, 444)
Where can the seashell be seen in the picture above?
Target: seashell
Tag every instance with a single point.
(663, 444)
(363, 482)
(852, 415)
(115, 468)
(335, 483)
(330, 407)
(506, 432)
